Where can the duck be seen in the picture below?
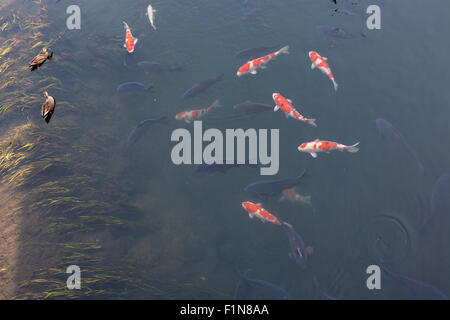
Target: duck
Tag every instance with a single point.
(40, 59)
(48, 107)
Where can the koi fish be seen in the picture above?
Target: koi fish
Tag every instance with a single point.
(202, 86)
(150, 12)
(142, 128)
(252, 65)
(191, 115)
(130, 41)
(266, 188)
(286, 106)
(422, 290)
(250, 289)
(255, 210)
(389, 132)
(298, 251)
(253, 53)
(133, 86)
(317, 145)
(321, 63)
(249, 107)
(294, 196)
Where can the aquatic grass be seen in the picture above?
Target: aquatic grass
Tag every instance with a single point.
(70, 196)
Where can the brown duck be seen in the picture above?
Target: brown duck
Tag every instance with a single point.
(40, 59)
(48, 107)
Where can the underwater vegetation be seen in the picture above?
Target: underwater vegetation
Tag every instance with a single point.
(73, 204)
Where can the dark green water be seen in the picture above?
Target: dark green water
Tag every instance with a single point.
(198, 231)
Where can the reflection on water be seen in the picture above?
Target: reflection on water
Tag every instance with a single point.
(141, 227)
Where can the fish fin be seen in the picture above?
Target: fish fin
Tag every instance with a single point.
(276, 108)
(284, 50)
(288, 225)
(312, 122)
(215, 104)
(124, 45)
(352, 148)
(325, 58)
(313, 66)
(136, 40)
(317, 140)
(287, 115)
(253, 72)
(290, 101)
(335, 85)
(250, 215)
(313, 154)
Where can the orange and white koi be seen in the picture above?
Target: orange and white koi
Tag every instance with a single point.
(321, 63)
(255, 210)
(293, 196)
(317, 145)
(253, 65)
(286, 106)
(191, 115)
(130, 41)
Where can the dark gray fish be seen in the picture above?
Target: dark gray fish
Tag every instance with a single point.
(320, 293)
(253, 53)
(252, 107)
(202, 86)
(440, 198)
(133, 86)
(335, 32)
(152, 66)
(142, 128)
(254, 289)
(267, 188)
(298, 251)
(388, 131)
(420, 289)
(222, 168)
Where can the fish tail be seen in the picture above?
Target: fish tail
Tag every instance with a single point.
(334, 84)
(312, 122)
(352, 148)
(214, 105)
(287, 224)
(284, 50)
